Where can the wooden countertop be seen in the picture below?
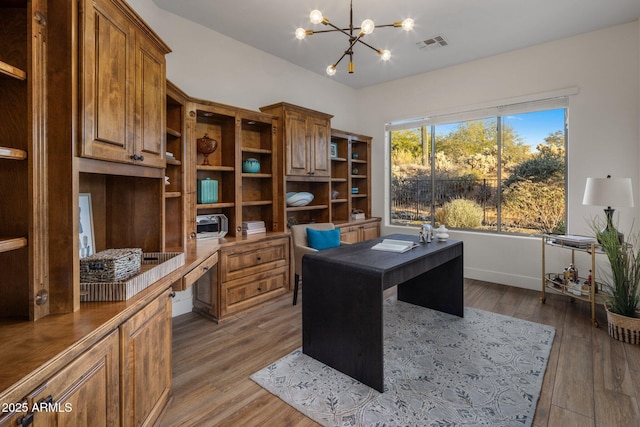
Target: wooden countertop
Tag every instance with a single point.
(33, 351)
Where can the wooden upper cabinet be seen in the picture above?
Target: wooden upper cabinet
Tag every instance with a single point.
(296, 144)
(123, 86)
(306, 140)
(319, 136)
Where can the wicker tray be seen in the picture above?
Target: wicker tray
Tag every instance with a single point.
(111, 265)
(155, 265)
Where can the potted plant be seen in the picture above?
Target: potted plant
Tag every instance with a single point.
(621, 288)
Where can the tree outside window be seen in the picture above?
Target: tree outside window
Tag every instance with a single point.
(501, 174)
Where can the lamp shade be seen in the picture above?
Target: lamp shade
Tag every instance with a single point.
(611, 192)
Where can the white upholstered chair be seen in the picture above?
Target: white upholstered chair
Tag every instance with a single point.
(301, 247)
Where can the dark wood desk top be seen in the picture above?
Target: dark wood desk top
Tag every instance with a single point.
(391, 266)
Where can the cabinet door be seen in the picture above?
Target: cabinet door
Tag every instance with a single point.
(106, 98)
(349, 234)
(370, 231)
(296, 144)
(145, 350)
(319, 135)
(85, 393)
(150, 137)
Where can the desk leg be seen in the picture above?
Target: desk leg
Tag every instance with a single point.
(441, 288)
(342, 320)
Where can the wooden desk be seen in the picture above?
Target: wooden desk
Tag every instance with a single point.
(343, 297)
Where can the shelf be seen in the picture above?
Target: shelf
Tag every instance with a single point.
(359, 176)
(257, 203)
(172, 194)
(359, 161)
(339, 201)
(338, 179)
(216, 168)
(306, 208)
(11, 71)
(174, 162)
(12, 153)
(257, 175)
(338, 159)
(173, 132)
(256, 150)
(7, 245)
(215, 205)
(360, 195)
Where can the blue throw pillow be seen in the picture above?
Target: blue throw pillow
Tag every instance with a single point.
(323, 239)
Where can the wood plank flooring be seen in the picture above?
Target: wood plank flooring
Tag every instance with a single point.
(591, 379)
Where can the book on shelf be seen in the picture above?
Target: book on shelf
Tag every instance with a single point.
(252, 225)
(392, 245)
(254, 231)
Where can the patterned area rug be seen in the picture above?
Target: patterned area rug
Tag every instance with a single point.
(440, 370)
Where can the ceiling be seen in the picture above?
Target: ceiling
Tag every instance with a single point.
(472, 28)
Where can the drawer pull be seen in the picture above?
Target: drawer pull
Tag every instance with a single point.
(205, 269)
(259, 258)
(25, 420)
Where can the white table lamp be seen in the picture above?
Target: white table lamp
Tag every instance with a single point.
(609, 192)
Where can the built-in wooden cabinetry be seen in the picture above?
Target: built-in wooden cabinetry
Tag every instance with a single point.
(83, 90)
(253, 272)
(145, 348)
(178, 230)
(303, 136)
(123, 81)
(358, 231)
(24, 284)
(350, 176)
(240, 135)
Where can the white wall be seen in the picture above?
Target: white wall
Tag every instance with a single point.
(603, 129)
(604, 116)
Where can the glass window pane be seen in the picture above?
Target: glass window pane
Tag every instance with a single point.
(533, 163)
(410, 176)
(466, 158)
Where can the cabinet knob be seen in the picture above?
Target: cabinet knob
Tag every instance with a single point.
(172, 294)
(192, 235)
(205, 269)
(259, 258)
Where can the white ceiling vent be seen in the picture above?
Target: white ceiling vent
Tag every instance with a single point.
(432, 43)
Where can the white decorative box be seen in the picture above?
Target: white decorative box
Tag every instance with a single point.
(155, 265)
(355, 216)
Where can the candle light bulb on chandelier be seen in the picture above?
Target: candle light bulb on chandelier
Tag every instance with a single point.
(316, 16)
(301, 33)
(367, 26)
(385, 54)
(407, 24)
(331, 69)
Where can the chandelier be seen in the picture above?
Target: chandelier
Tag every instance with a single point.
(365, 28)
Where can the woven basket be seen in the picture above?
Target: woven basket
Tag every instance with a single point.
(623, 328)
(110, 265)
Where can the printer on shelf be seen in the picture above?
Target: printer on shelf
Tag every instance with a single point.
(213, 226)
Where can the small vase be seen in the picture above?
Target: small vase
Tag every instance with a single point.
(251, 166)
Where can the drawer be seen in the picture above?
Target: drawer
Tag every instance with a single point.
(249, 259)
(239, 294)
(191, 277)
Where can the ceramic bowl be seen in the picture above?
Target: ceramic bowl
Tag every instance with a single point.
(301, 198)
(251, 166)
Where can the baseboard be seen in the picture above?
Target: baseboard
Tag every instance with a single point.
(518, 281)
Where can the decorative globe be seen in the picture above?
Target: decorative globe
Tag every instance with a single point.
(206, 146)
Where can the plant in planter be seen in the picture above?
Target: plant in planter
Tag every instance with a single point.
(622, 300)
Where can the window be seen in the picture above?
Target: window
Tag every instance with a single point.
(501, 169)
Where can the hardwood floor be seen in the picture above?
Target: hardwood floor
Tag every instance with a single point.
(591, 379)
